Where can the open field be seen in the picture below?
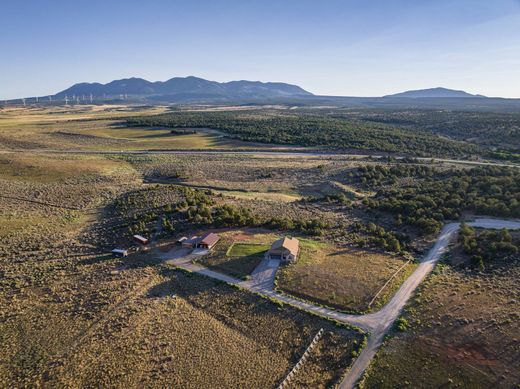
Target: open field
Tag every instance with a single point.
(73, 316)
(102, 128)
(461, 330)
(347, 279)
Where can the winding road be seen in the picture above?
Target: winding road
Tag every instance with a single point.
(272, 152)
(377, 324)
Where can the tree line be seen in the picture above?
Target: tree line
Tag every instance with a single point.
(432, 197)
(313, 130)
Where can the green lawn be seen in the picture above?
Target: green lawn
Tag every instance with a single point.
(236, 259)
(246, 249)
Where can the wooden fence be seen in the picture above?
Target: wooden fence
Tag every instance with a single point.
(302, 360)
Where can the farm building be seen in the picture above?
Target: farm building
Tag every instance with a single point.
(286, 249)
(141, 239)
(208, 241)
(190, 243)
(120, 252)
(180, 241)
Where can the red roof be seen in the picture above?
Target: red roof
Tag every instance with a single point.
(210, 239)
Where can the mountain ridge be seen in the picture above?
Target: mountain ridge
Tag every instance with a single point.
(438, 92)
(185, 86)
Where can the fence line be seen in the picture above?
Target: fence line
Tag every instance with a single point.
(302, 360)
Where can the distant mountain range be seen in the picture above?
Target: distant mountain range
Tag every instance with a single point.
(434, 93)
(195, 90)
(186, 89)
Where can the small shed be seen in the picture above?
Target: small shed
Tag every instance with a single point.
(141, 239)
(181, 240)
(120, 252)
(191, 243)
(285, 249)
(209, 240)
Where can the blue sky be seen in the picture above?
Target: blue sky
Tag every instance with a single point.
(349, 48)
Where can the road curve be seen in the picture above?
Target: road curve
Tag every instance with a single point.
(377, 324)
(381, 321)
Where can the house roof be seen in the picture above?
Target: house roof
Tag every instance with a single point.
(291, 244)
(192, 240)
(210, 239)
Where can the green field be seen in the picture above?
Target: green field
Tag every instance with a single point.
(247, 250)
(239, 252)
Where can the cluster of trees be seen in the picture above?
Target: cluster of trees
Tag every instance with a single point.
(311, 226)
(195, 198)
(488, 130)
(310, 130)
(428, 202)
(486, 246)
(228, 215)
(371, 176)
(337, 198)
(380, 237)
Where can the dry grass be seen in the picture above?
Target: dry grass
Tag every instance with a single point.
(464, 333)
(100, 128)
(71, 316)
(346, 279)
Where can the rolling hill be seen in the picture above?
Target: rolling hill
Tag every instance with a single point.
(434, 93)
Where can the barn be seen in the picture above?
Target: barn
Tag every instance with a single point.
(141, 239)
(209, 240)
(285, 249)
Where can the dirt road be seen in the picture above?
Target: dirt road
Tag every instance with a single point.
(377, 324)
(287, 153)
(381, 321)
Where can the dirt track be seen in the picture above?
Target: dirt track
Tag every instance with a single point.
(377, 324)
(273, 153)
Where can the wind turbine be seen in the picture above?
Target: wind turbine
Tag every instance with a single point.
(36, 98)
(66, 100)
(91, 98)
(23, 101)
